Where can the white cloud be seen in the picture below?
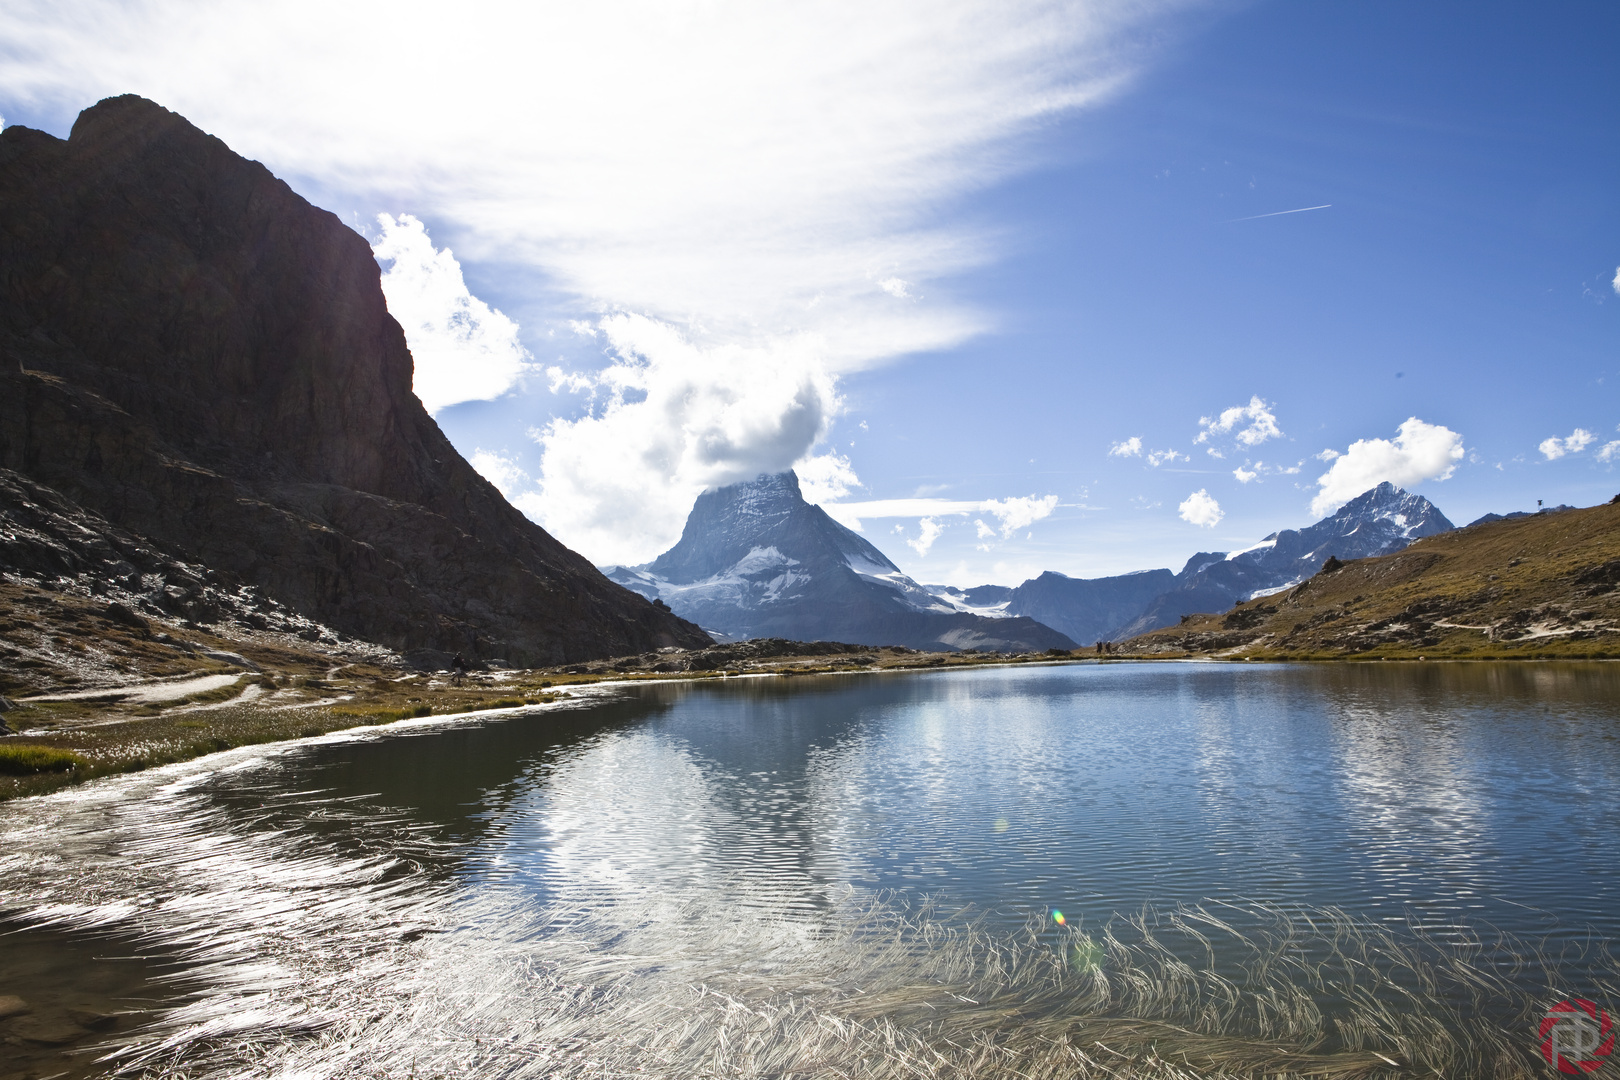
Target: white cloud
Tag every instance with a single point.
(740, 172)
(1017, 513)
(464, 349)
(677, 418)
(1012, 514)
(929, 531)
(574, 382)
(1131, 447)
(982, 531)
(825, 477)
(723, 162)
(1419, 452)
(1616, 282)
(1159, 457)
(1609, 450)
(1328, 455)
(501, 471)
(1554, 448)
(1254, 423)
(1251, 470)
(1201, 509)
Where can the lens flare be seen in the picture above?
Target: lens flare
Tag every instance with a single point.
(1057, 917)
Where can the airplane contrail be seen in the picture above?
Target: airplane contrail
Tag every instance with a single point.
(1280, 213)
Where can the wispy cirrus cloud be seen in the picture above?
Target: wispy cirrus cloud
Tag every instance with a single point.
(1010, 514)
(769, 178)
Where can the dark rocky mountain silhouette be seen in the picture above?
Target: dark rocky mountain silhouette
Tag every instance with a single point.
(755, 560)
(196, 354)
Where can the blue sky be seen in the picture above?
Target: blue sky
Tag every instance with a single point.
(948, 257)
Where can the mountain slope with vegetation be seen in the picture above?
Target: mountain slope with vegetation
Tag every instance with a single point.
(1547, 585)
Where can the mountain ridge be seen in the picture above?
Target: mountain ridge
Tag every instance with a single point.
(1539, 585)
(193, 351)
(755, 560)
(1379, 521)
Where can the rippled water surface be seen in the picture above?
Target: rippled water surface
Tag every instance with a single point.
(1456, 791)
(676, 817)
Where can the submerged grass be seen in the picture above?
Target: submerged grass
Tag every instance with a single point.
(332, 937)
(882, 992)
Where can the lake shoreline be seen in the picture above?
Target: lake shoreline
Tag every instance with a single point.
(101, 733)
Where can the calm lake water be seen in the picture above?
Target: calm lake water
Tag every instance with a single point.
(1457, 798)
(1450, 792)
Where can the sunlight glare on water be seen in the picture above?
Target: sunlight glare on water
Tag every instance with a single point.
(529, 878)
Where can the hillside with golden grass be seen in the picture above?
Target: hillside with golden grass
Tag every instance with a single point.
(1540, 586)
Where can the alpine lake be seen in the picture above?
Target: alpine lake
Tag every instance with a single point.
(1044, 870)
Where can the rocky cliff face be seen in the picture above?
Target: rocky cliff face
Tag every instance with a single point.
(755, 560)
(194, 352)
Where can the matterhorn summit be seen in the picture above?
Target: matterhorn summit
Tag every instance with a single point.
(756, 560)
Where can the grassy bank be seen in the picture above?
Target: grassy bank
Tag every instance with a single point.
(1544, 587)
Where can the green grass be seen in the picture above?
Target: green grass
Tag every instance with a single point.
(28, 760)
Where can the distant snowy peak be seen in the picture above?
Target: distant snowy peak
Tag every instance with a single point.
(1412, 516)
(756, 560)
(1376, 522)
(767, 512)
(1380, 521)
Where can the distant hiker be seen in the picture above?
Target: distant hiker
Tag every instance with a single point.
(458, 668)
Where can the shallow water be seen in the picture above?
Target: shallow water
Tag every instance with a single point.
(734, 823)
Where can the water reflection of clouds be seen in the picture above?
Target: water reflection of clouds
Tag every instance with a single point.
(724, 821)
(705, 800)
(622, 815)
(1254, 793)
(1093, 789)
(1418, 816)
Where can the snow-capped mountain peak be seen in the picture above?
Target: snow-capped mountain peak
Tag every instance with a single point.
(756, 560)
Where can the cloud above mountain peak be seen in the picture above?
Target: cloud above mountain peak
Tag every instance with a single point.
(1420, 451)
